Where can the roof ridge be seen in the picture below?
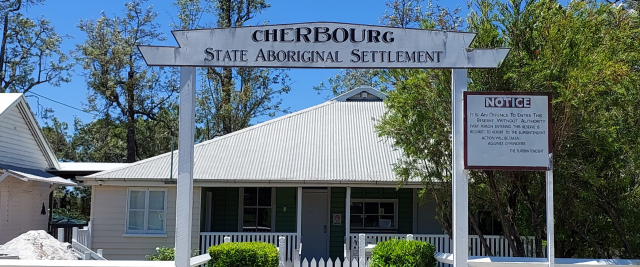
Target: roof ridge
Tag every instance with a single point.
(238, 132)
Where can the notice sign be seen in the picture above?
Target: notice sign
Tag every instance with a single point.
(507, 131)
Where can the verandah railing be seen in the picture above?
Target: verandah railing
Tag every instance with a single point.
(208, 239)
(498, 245)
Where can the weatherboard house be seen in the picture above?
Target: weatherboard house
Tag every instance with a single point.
(29, 170)
(318, 177)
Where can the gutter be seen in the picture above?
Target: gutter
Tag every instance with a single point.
(246, 182)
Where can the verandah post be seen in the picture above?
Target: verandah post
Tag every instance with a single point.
(361, 250)
(282, 250)
(347, 225)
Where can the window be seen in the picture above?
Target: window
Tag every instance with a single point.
(489, 224)
(257, 209)
(378, 214)
(146, 209)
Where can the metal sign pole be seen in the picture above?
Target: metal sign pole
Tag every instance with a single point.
(184, 198)
(460, 182)
(550, 235)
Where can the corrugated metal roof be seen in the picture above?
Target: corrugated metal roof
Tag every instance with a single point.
(34, 175)
(333, 141)
(89, 166)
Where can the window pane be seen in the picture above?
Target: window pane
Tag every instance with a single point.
(371, 208)
(156, 200)
(387, 208)
(155, 220)
(264, 220)
(356, 208)
(249, 219)
(356, 220)
(136, 220)
(371, 220)
(250, 196)
(136, 199)
(387, 221)
(264, 196)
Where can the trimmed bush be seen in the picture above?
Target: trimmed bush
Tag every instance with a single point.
(164, 254)
(403, 253)
(245, 254)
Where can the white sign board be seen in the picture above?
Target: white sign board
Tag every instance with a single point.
(507, 131)
(322, 45)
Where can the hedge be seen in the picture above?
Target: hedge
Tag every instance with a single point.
(403, 253)
(245, 254)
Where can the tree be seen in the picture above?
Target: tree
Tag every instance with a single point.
(402, 14)
(30, 50)
(230, 97)
(73, 203)
(58, 137)
(586, 54)
(121, 86)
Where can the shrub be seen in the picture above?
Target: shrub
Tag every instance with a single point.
(245, 254)
(403, 253)
(164, 254)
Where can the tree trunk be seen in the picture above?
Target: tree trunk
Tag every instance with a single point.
(483, 241)
(131, 119)
(226, 82)
(509, 232)
(3, 48)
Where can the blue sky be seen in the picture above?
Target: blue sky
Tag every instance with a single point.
(65, 14)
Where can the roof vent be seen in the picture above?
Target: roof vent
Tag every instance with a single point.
(363, 94)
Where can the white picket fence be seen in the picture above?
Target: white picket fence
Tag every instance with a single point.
(362, 244)
(349, 261)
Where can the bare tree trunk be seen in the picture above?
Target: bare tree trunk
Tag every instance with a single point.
(616, 225)
(226, 81)
(3, 48)
(483, 241)
(506, 225)
(131, 119)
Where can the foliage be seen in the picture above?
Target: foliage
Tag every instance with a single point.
(403, 14)
(230, 97)
(586, 55)
(73, 203)
(163, 254)
(245, 254)
(30, 50)
(121, 87)
(403, 253)
(352, 78)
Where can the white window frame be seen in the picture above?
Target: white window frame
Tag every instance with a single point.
(395, 213)
(241, 209)
(146, 212)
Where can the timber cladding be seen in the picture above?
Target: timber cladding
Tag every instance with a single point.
(338, 198)
(224, 216)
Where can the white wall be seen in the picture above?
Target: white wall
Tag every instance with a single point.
(108, 217)
(20, 207)
(17, 144)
